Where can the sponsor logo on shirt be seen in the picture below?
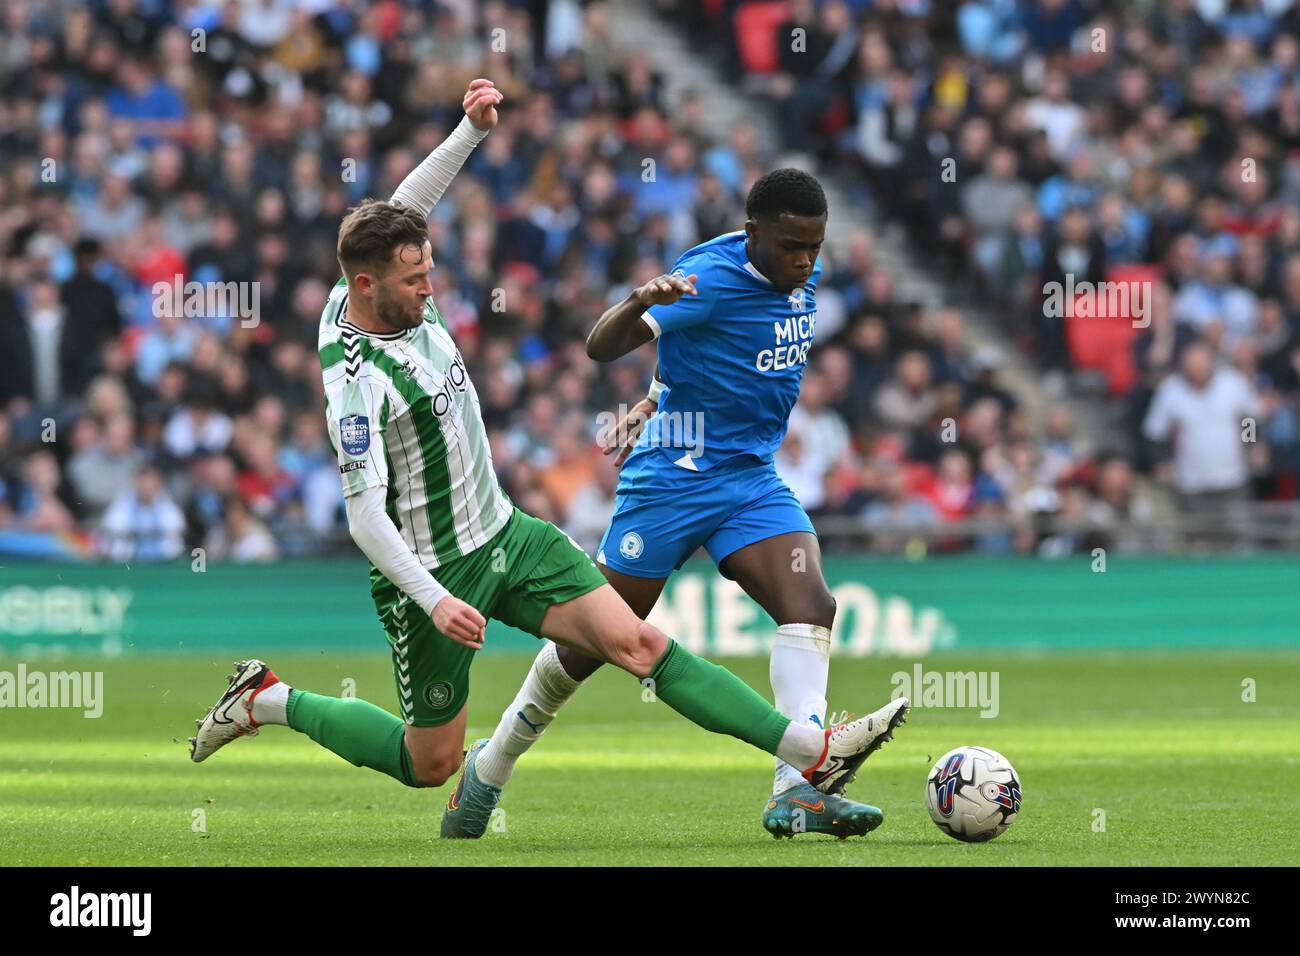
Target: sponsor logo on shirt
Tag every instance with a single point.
(791, 341)
(443, 400)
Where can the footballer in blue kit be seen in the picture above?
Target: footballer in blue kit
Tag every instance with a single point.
(731, 358)
(734, 322)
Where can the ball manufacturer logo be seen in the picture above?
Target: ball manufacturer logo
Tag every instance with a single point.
(946, 784)
(438, 694)
(631, 547)
(1003, 795)
(354, 434)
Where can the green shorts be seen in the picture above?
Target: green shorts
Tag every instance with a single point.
(525, 568)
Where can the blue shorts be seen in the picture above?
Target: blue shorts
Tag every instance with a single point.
(663, 512)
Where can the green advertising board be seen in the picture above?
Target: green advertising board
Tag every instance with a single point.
(886, 607)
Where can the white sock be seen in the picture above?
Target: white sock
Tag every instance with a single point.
(269, 704)
(544, 691)
(801, 745)
(801, 661)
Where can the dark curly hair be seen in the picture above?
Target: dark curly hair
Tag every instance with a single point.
(785, 190)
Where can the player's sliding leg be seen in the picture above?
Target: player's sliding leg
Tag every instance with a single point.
(783, 574)
(356, 730)
(600, 624)
(556, 674)
(560, 594)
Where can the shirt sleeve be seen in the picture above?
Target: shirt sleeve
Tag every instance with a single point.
(357, 411)
(689, 309)
(380, 541)
(425, 184)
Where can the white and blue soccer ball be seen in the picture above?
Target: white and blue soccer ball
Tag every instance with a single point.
(973, 794)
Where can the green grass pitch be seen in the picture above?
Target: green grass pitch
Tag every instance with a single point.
(1184, 771)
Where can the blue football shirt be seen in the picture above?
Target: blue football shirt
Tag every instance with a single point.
(732, 357)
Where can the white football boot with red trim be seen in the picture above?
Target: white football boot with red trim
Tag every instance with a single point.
(232, 716)
(848, 744)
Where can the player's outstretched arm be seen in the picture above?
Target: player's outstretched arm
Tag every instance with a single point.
(380, 541)
(622, 329)
(427, 182)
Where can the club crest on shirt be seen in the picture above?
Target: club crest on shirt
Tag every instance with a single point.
(354, 434)
(796, 300)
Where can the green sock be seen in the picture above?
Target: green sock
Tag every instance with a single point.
(716, 699)
(356, 730)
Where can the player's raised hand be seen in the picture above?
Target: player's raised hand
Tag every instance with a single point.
(622, 437)
(480, 103)
(664, 290)
(460, 622)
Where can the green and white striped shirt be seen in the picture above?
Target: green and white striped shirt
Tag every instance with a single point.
(403, 413)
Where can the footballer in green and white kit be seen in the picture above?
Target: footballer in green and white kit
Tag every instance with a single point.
(403, 414)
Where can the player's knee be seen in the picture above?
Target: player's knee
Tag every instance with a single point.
(434, 769)
(640, 649)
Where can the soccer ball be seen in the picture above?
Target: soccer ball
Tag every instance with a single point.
(973, 794)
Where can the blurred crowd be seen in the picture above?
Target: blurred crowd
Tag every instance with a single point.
(222, 141)
(1032, 145)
